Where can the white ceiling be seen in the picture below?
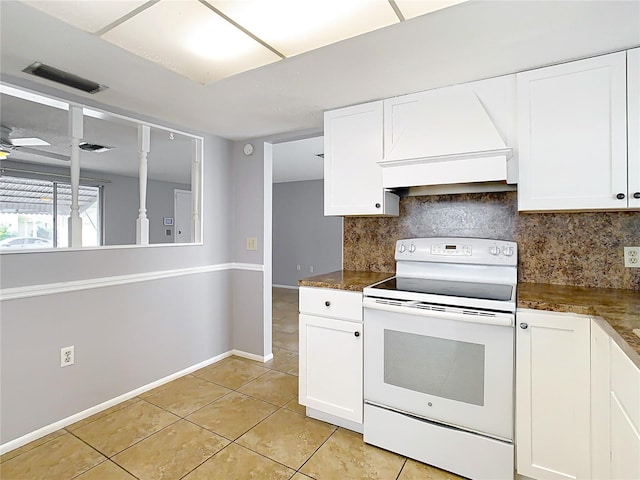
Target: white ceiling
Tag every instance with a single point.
(298, 160)
(465, 42)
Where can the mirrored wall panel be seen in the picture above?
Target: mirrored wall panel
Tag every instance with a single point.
(138, 184)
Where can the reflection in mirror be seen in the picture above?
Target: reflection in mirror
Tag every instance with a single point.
(123, 178)
(169, 187)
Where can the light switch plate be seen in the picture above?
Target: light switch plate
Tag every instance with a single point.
(252, 243)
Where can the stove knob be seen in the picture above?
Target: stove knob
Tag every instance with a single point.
(412, 248)
(507, 251)
(494, 250)
(402, 248)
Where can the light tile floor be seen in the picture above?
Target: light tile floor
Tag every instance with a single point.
(236, 419)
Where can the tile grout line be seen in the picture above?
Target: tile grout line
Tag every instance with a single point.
(316, 450)
(402, 468)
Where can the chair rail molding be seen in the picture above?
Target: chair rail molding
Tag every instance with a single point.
(16, 293)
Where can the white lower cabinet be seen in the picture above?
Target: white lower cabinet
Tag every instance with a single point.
(616, 410)
(331, 355)
(552, 395)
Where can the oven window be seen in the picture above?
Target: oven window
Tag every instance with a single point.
(436, 366)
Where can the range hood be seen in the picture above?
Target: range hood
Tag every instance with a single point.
(448, 136)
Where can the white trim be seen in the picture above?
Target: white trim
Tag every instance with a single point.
(92, 283)
(53, 427)
(252, 356)
(285, 286)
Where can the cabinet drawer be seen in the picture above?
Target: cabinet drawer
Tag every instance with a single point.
(625, 384)
(327, 302)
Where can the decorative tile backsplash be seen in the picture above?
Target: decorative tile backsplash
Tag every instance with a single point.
(584, 249)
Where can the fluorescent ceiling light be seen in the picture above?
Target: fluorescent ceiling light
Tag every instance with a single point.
(27, 142)
(294, 26)
(185, 47)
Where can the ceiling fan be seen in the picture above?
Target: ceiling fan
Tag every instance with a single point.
(11, 145)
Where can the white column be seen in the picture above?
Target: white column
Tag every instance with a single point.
(142, 223)
(75, 135)
(196, 180)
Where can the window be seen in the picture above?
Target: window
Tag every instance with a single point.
(34, 213)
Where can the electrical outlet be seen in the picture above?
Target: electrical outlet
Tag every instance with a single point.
(632, 257)
(311, 269)
(66, 356)
(252, 243)
(298, 267)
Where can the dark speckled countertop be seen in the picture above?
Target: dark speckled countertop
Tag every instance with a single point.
(351, 280)
(618, 308)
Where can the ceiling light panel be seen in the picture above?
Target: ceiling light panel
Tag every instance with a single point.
(88, 15)
(415, 8)
(190, 39)
(295, 26)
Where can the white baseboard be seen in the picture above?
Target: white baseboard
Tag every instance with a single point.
(41, 432)
(285, 286)
(252, 356)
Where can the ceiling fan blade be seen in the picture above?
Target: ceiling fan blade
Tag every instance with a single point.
(42, 153)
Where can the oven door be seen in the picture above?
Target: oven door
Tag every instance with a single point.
(449, 367)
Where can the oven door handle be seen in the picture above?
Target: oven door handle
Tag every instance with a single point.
(500, 319)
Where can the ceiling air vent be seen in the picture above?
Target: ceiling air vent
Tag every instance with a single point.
(92, 147)
(70, 80)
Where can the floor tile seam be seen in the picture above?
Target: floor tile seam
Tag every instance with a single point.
(220, 385)
(32, 448)
(138, 441)
(205, 460)
(210, 403)
(264, 456)
(166, 409)
(106, 457)
(401, 468)
(282, 348)
(261, 421)
(335, 429)
(103, 416)
(107, 460)
(266, 401)
(212, 431)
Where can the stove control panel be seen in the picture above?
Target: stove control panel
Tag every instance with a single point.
(451, 249)
(457, 250)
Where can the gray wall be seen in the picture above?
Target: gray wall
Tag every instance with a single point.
(252, 301)
(302, 235)
(125, 336)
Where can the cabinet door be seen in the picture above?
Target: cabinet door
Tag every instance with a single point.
(600, 394)
(552, 395)
(625, 416)
(572, 135)
(331, 366)
(633, 137)
(352, 176)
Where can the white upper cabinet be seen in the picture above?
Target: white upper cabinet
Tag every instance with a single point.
(352, 176)
(633, 137)
(572, 135)
(457, 134)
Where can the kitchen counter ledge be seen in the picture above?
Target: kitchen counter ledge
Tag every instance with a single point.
(617, 311)
(351, 280)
